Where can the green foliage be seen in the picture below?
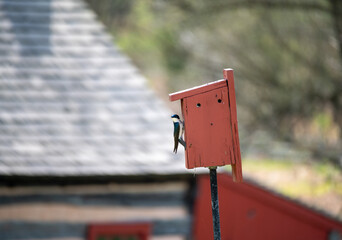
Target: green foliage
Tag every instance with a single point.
(175, 55)
(323, 121)
(298, 179)
(286, 59)
(268, 164)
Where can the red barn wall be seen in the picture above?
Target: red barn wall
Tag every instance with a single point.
(249, 212)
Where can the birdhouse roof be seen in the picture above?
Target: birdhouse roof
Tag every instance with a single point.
(197, 90)
(71, 104)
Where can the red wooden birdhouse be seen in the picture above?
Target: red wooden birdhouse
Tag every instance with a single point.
(210, 123)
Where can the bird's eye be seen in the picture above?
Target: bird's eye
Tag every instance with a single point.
(198, 105)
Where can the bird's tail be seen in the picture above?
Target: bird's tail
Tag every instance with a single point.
(176, 146)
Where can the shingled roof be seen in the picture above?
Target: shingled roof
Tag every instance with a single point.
(71, 104)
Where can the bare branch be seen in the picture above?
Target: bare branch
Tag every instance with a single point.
(284, 5)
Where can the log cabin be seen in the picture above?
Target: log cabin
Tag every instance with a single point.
(83, 141)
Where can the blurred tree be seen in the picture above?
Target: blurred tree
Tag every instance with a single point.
(330, 8)
(287, 57)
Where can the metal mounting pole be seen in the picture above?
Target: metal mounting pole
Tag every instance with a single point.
(215, 203)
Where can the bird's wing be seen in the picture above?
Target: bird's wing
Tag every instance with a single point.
(175, 137)
(181, 129)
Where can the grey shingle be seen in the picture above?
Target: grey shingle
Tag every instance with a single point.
(71, 104)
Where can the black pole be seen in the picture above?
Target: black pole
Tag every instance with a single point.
(215, 203)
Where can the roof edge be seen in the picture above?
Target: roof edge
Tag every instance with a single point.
(21, 180)
(197, 90)
(227, 74)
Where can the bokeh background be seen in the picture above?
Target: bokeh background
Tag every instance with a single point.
(287, 58)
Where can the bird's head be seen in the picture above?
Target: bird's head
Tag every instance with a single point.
(175, 118)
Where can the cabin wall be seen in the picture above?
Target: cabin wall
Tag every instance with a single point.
(66, 212)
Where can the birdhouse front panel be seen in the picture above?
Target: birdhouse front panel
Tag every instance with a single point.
(210, 123)
(208, 134)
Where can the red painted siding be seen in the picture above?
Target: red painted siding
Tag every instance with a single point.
(249, 212)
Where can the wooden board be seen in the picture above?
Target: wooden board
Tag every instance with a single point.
(236, 166)
(207, 118)
(197, 90)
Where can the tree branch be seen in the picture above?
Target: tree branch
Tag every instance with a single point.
(284, 5)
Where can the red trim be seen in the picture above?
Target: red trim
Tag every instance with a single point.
(237, 166)
(141, 230)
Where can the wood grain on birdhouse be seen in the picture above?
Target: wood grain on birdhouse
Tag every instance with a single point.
(211, 129)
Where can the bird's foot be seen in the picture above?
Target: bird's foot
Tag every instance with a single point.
(181, 141)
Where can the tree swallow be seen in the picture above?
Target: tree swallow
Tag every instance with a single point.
(177, 131)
